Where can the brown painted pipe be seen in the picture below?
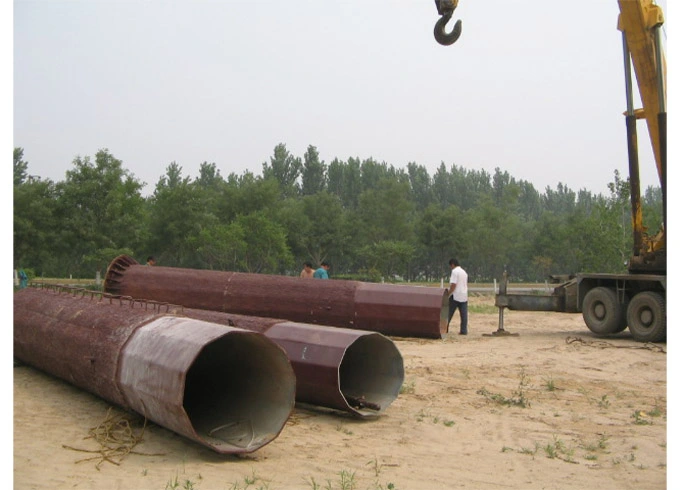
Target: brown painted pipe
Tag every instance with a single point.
(356, 371)
(402, 311)
(229, 389)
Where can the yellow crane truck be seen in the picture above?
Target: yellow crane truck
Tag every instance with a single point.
(636, 300)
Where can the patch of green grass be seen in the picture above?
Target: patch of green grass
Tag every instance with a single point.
(640, 418)
(483, 309)
(175, 484)
(603, 402)
(550, 384)
(519, 398)
(526, 450)
(424, 414)
(250, 481)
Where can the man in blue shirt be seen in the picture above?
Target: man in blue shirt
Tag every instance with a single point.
(322, 272)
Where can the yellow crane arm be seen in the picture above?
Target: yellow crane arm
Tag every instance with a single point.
(639, 21)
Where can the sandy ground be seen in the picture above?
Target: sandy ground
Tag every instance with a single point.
(552, 408)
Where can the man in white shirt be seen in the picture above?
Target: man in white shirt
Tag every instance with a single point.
(458, 294)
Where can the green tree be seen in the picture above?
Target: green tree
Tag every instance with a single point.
(323, 238)
(388, 258)
(222, 247)
(313, 172)
(344, 180)
(99, 206)
(492, 238)
(246, 194)
(176, 218)
(441, 234)
(421, 185)
(35, 226)
(266, 249)
(386, 212)
(285, 169)
(20, 167)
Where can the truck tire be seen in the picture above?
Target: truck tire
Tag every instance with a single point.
(647, 317)
(602, 312)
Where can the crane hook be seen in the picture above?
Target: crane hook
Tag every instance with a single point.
(445, 9)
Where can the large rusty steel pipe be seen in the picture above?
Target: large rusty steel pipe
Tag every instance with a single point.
(402, 311)
(356, 371)
(229, 389)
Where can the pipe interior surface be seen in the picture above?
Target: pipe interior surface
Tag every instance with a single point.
(234, 392)
(379, 356)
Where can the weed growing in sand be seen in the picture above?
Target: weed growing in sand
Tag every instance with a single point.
(602, 443)
(557, 450)
(550, 384)
(423, 414)
(250, 481)
(529, 451)
(175, 484)
(347, 480)
(519, 398)
(312, 483)
(342, 429)
(603, 402)
(640, 418)
(657, 411)
(408, 388)
(377, 468)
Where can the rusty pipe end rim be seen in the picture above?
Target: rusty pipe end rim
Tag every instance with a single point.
(115, 270)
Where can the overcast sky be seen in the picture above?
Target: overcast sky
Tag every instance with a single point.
(536, 89)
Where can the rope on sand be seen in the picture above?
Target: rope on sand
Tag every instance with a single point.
(116, 438)
(601, 344)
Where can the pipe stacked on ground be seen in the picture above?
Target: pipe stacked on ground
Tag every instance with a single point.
(350, 370)
(226, 388)
(402, 311)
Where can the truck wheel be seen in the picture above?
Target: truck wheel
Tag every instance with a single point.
(602, 312)
(647, 317)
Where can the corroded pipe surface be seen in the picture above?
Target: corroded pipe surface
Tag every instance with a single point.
(229, 389)
(403, 311)
(356, 371)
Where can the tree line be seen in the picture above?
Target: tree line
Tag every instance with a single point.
(369, 220)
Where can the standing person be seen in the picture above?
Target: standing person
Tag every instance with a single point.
(150, 260)
(307, 272)
(458, 294)
(23, 279)
(322, 272)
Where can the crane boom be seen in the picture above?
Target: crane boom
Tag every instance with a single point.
(636, 300)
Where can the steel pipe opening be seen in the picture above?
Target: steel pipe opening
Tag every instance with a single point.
(371, 354)
(404, 311)
(229, 389)
(350, 370)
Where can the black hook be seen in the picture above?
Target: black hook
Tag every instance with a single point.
(445, 9)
